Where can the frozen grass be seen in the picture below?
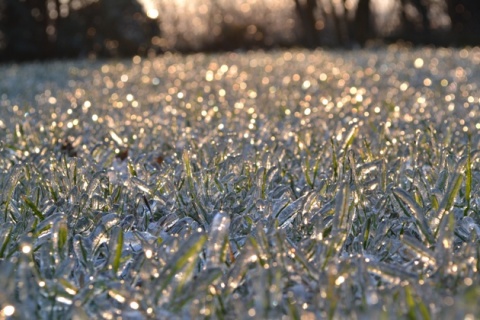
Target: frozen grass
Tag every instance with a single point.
(291, 184)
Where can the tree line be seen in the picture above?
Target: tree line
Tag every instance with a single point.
(52, 29)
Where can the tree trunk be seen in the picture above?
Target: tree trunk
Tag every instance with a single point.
(362, 23)
(306, 14)
(341, 27)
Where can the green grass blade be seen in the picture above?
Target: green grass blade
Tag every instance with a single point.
(131, 169)
(349, 138)
(334, 160)
(410, 302)
(10, 186)
(468, 176)
(60, 233)
(116, 244)
(6, 236)
(34, 208)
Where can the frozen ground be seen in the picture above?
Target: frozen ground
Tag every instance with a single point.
(245, 185)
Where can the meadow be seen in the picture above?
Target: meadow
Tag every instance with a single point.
(265, 185)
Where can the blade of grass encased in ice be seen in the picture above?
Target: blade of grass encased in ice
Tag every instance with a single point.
(10, 186)
(424, 311)
(410, 302)
(415, 304)
(261, 179)
(368, 150)
(442, 180)
(188, 251)
(349, 138)
(218, 240)
(366, 232)
(60, 234)
(34, 208)
(445, 238)
(94, 183)
(416, 211)
(83, 251)
(468, 176)
(131, 169)
(447, 202)
(383, 175)
(201, 214)
(188, 170)
(434, 202)
(391, 273)
(419, 249)
(298, 256)
(116, 245)
(198, 288)
(306, 171)
(340, 219)
(242, 265)
(290, 211)
(340, 224)
(6, 237)
(261, 244)
(316, 167)
(468, 182)
(334, 159)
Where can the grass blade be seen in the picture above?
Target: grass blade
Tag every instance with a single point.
(218, 240)
(341, 219)
(349, 138)
(34, 208)
(449, 197)
(289, 212)
(186, 254)
(6, 236)
(116, 245)
(10, 186)
(468, 176)
(416, 211)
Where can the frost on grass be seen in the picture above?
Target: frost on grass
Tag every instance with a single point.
(262, 185)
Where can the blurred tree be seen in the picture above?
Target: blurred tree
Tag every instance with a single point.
(24, 29)
(415, 27)
(465, 20)
(349, 27)
(45, 29)
(306, 13)
(362, 22)
(341, 22)
(116, 27)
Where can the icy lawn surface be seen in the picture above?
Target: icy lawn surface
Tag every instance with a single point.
(288, 184)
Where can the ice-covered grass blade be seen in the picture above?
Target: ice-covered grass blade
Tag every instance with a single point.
(411, 208)
(446, 204)
(9, 187)
(186, 256)
(216, 249)
(116, 246)
(34, 208)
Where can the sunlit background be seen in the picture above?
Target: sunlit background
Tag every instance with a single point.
(43, 29)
